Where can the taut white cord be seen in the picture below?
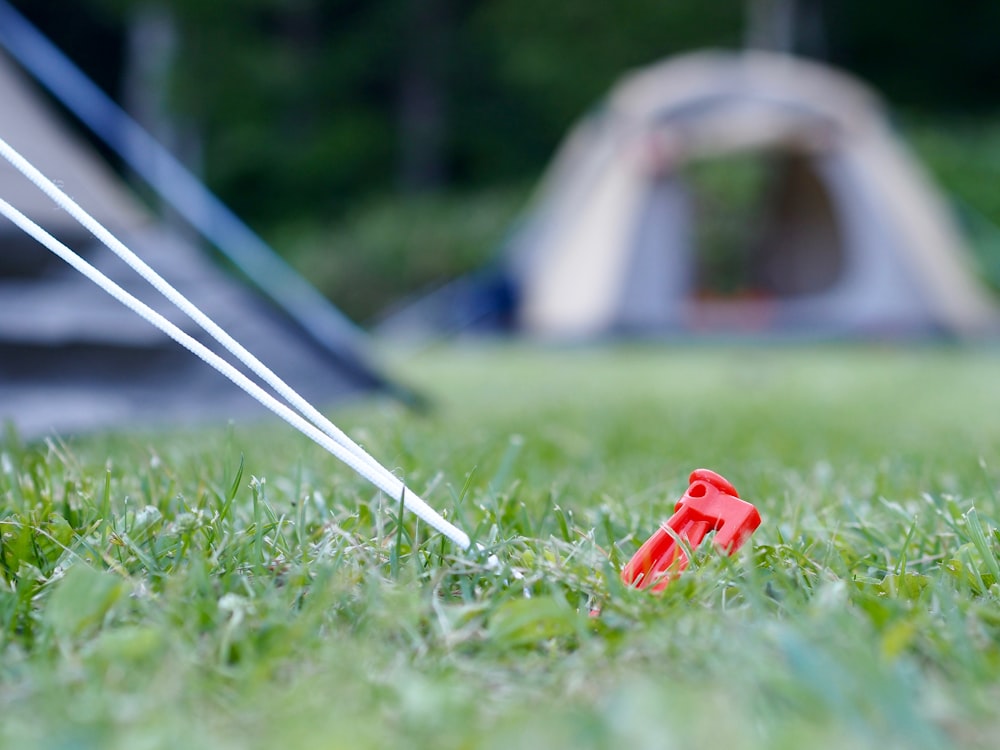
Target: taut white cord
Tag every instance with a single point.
(394, 488)
(183, 303)
(328, 435)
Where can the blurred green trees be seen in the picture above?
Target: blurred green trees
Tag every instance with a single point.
(305, 112)
(336, 100)
(304, 107)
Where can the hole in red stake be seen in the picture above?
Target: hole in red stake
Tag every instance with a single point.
(697, 490)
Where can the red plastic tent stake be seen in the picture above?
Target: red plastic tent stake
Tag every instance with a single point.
(711, 503)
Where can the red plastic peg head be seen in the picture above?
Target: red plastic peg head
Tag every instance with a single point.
(711, 503)
(716, 480)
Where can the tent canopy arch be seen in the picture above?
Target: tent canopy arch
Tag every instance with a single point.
(847, 235)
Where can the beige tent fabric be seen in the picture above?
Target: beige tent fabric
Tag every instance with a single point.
(906, 268)
(937, 253)
(579, 288)
(781, 78)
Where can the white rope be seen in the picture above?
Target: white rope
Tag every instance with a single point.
(183, 303)
(394, 487)
(328, 435)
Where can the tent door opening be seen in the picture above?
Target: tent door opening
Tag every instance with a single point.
(764, 227)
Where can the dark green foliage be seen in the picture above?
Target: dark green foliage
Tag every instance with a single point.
(384, 250)
(922, 55)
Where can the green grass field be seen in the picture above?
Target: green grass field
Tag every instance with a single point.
(238, 588)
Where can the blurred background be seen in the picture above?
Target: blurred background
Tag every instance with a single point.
(386, 146)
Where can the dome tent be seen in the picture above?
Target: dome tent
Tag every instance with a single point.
(849, 237)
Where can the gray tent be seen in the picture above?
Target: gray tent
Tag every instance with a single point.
(71, 358)
(844, 234)
(851, 238)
